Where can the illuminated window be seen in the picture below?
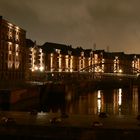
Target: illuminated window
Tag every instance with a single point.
(103, 66)
(37, 62)
(81, 61)
(41, 64)
(60, 63)
(51, 62)
(10, 46)
(89, 62)
(17, 48)
(96, 63)
(10, 55)
(10, 64)
(136, 65)
(116, 65)
(32, 58)
(17, 33)
(82, 53)
(71, 64)
(67, 63)
(91, 54)
(10, 32)
(16, 65)
(95, 58)
(57, 50)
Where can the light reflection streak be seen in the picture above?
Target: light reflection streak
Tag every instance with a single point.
(120, 97)
(99, 101)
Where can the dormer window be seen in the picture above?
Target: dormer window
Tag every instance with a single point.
(82, 53)
(57, 50)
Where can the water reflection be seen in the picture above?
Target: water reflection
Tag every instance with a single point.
(135, 100)
(113, 101)
(99, 101)
(121, 101)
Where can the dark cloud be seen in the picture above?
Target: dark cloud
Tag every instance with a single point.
(121, 11)
(78, 22)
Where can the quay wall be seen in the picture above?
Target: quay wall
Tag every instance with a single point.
(9, 98)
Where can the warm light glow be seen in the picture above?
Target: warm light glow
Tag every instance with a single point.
(120, 71)
(57, 50)
(41, 68)
(99, 103)
(40, 50)
(82, 53)
(17, 62)
(41, 60)
(120, 97)
(60, 62)
(99, 94)
(17, 28)
(51, 62)
(96, 61)
(67, 63)
(10, 32)
(17, 33)
(10, 47)
(16, 65)
(89, 62)
(91, 54)
(36, 68)
(81, 61)
(10, 64)
(16, 53)
(116, 64)
(10, 43)
(71, 64)
(136, 64)
(32, 58)
(135, 100)
(10, 55)
(10, 25)
(95, 58)
(37, 59)
(103, 66)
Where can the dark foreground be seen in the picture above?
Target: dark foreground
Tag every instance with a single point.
(27, 126)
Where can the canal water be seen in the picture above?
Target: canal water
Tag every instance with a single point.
(118, 101)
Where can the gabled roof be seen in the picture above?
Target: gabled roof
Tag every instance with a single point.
(29, 43)
(87, 52)
(50, 47)
(120, 55)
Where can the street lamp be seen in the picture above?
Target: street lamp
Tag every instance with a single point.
(120, 71)
(41, 68)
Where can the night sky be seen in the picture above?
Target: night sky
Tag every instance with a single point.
(113, 23)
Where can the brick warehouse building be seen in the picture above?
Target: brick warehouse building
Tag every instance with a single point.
(12, 44)
(64, 58)
(21, 58)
